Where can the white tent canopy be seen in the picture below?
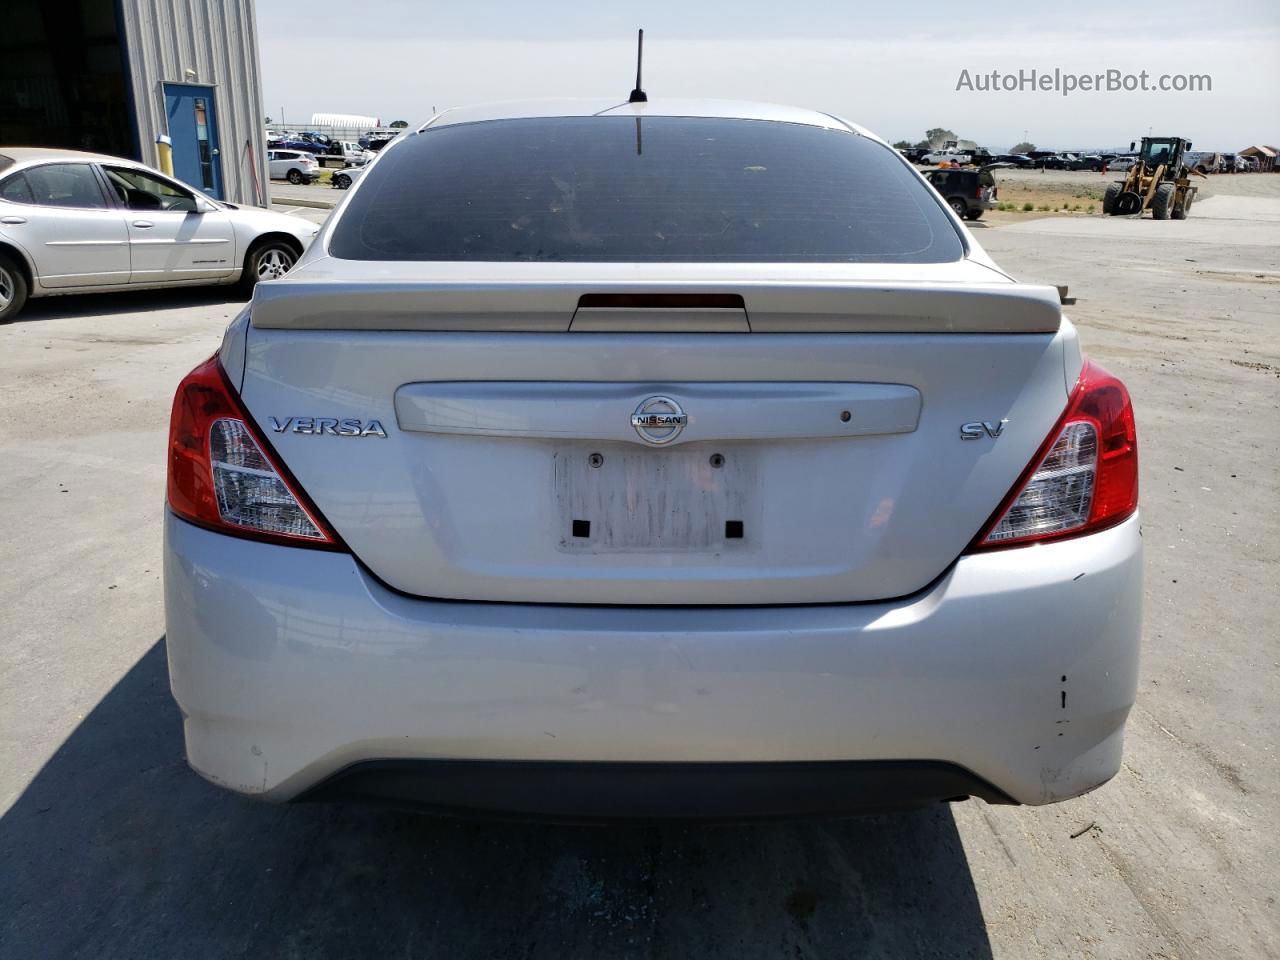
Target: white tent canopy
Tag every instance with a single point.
(344, 120)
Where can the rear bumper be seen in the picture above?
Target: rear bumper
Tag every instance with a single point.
(1017, 669)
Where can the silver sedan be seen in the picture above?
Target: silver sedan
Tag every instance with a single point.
(74, 222)
(660, 459)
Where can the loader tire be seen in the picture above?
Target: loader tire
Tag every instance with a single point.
(1162, 202)
(1109, 198)
(1180, 207)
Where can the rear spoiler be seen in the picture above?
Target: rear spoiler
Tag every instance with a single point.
(553, 306)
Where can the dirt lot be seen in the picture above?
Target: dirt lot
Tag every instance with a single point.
(1081, 192)
(111, 847)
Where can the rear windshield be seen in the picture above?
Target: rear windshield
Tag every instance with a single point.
(623, 189)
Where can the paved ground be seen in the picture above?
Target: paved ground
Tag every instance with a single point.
(110, 847)
(314, 214)
(1228, 221)
(285, 195)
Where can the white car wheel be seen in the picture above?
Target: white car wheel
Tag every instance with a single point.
(274, 262)
(13, 290)
(269, 261)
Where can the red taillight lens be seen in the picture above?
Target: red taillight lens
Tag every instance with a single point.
(223, 473)
(1085, 476)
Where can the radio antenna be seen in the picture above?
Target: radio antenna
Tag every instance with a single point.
(638, 95)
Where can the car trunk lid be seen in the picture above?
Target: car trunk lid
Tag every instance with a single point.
(522, 457)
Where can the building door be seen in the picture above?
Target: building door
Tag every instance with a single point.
(193, 128)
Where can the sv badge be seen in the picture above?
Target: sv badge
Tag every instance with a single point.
(980, 428)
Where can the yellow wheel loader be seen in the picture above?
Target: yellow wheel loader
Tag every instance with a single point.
(1159, 180)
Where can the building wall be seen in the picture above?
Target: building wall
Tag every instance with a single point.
(213, 42)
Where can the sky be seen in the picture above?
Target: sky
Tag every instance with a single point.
(891, 67)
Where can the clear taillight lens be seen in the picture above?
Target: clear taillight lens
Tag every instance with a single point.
(1060, 493)
(1084, 478)
(250, 493)
(223, 474)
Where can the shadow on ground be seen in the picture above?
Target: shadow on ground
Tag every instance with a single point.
(116, 849)
(133, 301)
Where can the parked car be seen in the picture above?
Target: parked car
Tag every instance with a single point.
(296, 143)
(74, 222)
(1056, 162)
(354, 154)
(343, 179)
(956, 157)
(968, 192)
(499, 500)
(1121, 163)
(296, 166)
(1015, 160)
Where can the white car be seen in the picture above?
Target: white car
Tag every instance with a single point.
(958, 157)
(1121, 163)
(678, 458)
(354, 154)
(296, 166)
(344, 178)
(74, 222)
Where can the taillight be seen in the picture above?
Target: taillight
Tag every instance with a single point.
(1085, 476)
(223, 473)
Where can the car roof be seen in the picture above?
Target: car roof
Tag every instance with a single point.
(25, 156)
(657, 107)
